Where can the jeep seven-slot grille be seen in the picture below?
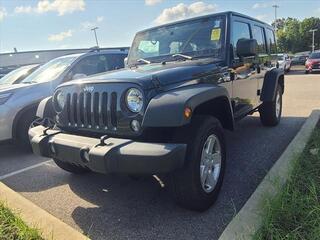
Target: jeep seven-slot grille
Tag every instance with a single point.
(96, 110)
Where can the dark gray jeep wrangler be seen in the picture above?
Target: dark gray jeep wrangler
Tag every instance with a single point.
(165, 114)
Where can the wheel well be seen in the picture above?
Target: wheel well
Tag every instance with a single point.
(32, 109)
(281, 82)
(219, 108)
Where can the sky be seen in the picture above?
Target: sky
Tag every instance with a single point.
(57, 24)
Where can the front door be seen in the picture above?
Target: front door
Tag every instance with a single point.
(245, 83)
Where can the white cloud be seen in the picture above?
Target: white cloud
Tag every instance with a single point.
(262, 17)
(152, 2)
(23, 9)
(62, 7)
(3, 13)
(89, 25)
(182, 11)
(260, 5)
(60, 36)
(100, 19)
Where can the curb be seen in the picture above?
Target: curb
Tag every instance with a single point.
(49, 226)
(249, 218)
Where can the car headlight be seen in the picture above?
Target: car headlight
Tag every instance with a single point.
(134, 100)
(60, 100)
(4, 98)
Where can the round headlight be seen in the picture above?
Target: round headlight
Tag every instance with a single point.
(134, 100)
(60, 99)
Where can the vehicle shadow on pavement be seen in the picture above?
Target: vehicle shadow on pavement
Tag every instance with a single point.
(117, 207)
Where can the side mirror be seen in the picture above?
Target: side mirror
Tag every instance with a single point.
(246, 47)
(125, 61)
(78, 76)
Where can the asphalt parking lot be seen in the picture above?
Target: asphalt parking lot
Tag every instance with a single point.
(116, 207)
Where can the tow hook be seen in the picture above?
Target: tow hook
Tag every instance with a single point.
(103, 139)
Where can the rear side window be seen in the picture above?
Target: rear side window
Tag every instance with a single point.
(99, 63)
(115, 61)
(258, 34)
(271, 41)
(240, 30)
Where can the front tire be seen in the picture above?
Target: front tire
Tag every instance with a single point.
(22, 136)
(197, 185)
(71, 167)
(270, 112)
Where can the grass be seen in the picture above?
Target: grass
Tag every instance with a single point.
(294, 213)
(13, 228)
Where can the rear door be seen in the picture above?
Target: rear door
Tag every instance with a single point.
(262, 58)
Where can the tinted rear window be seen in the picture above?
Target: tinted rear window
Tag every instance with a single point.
(271, 41)
(315, 55)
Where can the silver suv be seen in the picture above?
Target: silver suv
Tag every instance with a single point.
(19, 102)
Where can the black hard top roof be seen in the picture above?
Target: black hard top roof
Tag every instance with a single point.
(208, 15)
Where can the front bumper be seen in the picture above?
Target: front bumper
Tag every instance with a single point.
(114, 156)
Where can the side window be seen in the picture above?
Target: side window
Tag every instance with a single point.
(240, 30)
(90, 65)
(271, 41)
(257, 33)
(115, 61)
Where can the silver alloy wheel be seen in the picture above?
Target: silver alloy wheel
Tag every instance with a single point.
(210, 165)
(278, 104)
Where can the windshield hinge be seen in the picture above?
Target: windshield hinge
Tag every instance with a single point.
(156, 83)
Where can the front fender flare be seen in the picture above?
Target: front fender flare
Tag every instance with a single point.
(45, 109)
(167, 109)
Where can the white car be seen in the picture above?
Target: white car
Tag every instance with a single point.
(284, 61)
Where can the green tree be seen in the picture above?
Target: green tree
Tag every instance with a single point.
(294, 36)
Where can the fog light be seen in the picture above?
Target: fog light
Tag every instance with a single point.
(52, 147)
(135, 125)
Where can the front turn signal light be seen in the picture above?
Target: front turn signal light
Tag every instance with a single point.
(187, 112)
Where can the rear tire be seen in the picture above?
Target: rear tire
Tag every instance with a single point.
(71, 167)
(196, 186)
(270, 112)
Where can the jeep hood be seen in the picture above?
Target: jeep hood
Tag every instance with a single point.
(164, 74)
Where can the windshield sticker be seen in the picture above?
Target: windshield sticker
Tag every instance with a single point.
(215, 34)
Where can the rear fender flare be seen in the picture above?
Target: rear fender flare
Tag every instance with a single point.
(270, 83)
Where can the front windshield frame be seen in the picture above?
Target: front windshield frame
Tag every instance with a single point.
(133, 60)
(42, 74)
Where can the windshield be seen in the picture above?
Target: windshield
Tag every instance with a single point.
(204, 37)
(315, 55)
(50, 71)
(14, 75)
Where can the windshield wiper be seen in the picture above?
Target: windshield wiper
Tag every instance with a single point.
(183, 56)
(143, 60)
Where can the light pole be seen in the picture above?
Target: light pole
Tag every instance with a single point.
(95, 34)
(313, 31)
(275, 15)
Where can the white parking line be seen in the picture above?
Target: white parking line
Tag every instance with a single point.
(24, 170)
